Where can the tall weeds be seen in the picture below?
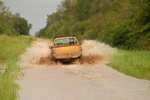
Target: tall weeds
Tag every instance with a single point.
(10, 49)
(133, 63)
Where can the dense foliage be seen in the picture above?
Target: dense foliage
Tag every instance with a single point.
(12, 24)
(120, 23)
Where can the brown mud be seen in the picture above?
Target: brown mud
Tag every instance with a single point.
(46, 61)
(90, 59)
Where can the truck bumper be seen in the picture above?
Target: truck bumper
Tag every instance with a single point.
(67, 56)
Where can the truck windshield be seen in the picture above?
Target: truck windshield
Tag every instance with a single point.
(66, 41)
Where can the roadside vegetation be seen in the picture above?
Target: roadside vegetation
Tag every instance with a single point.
(10, 49)
(12, 44)
(124, 24)
(133, 63)
(12, 24)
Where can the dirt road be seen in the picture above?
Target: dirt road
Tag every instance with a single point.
(76, 82)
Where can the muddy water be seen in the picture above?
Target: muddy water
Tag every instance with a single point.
(93, 52)
(88, 81)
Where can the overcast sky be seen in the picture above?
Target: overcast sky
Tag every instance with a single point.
(35, 11)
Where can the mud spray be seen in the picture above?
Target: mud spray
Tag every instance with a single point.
(35, 52)
(93, 52)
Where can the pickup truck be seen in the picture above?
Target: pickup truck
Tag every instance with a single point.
(66, 48)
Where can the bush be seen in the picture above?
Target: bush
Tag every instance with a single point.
(119, 35)
(90, 34)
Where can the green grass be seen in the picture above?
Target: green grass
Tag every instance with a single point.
(133, 63)
(10, 49)
(50, 39)
(9, 46)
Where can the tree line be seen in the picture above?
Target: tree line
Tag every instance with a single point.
(12, 24)
(120, 23)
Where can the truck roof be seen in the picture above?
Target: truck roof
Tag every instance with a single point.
(64, 36)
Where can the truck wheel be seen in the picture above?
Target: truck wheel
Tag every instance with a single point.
(80, 59)
(77, 61)
(59, 62)
(53, 59)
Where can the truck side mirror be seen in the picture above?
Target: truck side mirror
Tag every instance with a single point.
(51, 47)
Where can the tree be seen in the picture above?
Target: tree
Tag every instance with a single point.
(12, 24)
(21, 25)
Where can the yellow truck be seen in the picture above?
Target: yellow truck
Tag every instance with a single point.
(66, 48)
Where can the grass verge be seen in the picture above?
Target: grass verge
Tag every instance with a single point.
(10, 49)
(133, 63)
(50, 39)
